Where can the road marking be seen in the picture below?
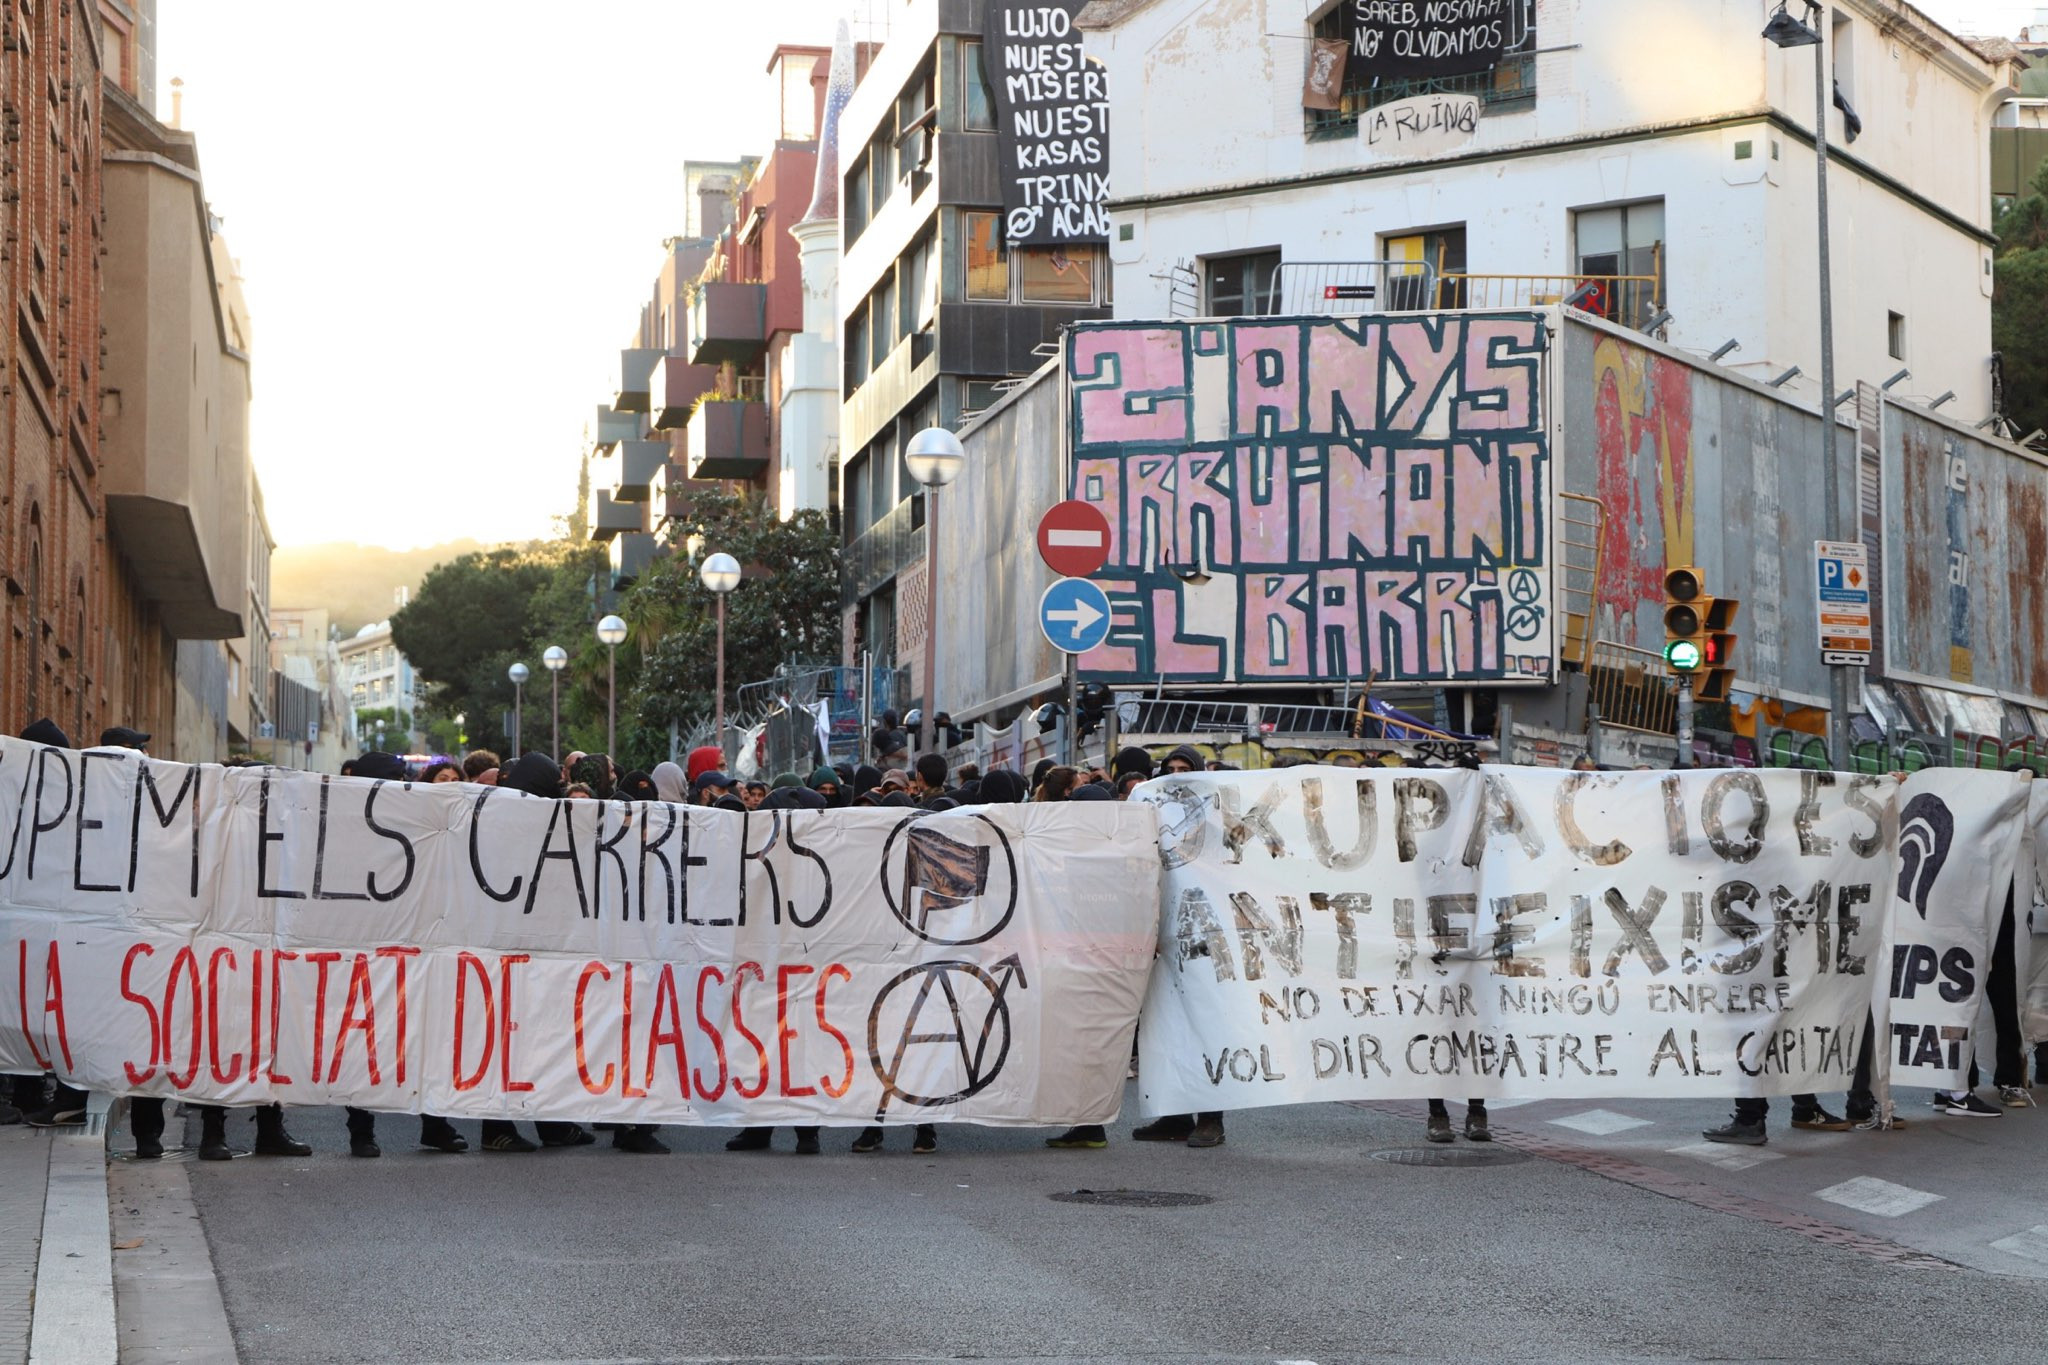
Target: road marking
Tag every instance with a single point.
(1868, 1194)
(1728, 1157)
(2030, 1245)
(1507, 1104)
(1600, 1122)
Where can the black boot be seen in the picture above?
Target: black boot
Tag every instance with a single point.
(750, 1140)
(439, 1134)
(271, 1137)
(213, 1134)
(362, 1133)
(638, 1137)
(806, 1142)
(146, 1121)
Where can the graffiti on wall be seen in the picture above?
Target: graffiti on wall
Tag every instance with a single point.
(1313, 499)
(1642, 422)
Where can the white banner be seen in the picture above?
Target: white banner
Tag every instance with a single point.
(1338, 934)
(243, 935)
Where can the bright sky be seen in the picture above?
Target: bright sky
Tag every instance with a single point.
(448, 214)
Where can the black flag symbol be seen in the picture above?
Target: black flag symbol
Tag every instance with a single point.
(949, 872)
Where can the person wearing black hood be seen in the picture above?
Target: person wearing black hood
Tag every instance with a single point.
(436, 1132)
(1002, 787)
(535, 774)
(1182, 760)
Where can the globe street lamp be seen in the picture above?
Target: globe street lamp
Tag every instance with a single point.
(721, 574)
(611, 633)
(518, 674)
(935, 458)
(1788, 33)
(556, 658)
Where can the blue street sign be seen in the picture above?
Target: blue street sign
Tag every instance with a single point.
(1074, 614)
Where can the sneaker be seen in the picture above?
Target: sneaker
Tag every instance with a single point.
(568, 1135)
(638, 1140)
(57, 1116)
(9, 1114)
(365, 1148)
(1820, 1120)
(1476, 1129)
(443, 1138)
(2015, 1097)
(1088, 1136)
(1874, 1123)
(1967, 1105)
(807, 1142)
(1207, 1132)
(1440, 1128)
(149, 1149)
(509, 1142)
(926, 1142)
(1738, 1133)
(750, 1140)
(1172, 1128)
(870, 1140)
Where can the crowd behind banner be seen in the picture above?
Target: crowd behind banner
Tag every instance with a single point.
(881, 946)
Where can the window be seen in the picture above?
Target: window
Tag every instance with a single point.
(1622, 249)
(916, 113)
(1442, 252)
(857, 349)
(1508, 87)
(913, 280)
(881, 321)
(988, 258)
(980, 116)
(881, 170)
(856, 200)
(1053, 274)
(1895, 334)
(1241, 286)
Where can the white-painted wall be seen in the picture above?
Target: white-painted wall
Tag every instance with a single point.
(1646, 99)
(809, 419)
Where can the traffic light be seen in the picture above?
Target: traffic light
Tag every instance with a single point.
(1699, 633)
(1718, 648)
(1683, 599)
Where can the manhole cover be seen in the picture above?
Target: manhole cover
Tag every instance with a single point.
(1134, 1199)
(1451, 1156)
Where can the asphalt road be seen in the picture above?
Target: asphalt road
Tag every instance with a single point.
(1589, 1246)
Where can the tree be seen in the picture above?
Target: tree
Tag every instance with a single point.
(2019, 304)
(786, 607)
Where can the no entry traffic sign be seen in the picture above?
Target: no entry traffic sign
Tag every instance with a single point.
(1073, 539)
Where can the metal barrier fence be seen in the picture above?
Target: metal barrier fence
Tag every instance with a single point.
(1630, 300)
(1351, 288)
(1632, 688)
(1582, 528)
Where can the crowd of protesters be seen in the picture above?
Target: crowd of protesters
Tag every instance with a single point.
(892, 781)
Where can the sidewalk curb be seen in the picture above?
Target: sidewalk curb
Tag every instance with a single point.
(73, 1322)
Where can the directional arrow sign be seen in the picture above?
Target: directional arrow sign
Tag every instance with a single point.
(1074, 614)
(1073, 538)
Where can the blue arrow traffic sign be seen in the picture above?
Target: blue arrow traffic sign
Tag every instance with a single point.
(1074, 614)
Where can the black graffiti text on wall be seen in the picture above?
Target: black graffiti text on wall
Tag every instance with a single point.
(1423, 39)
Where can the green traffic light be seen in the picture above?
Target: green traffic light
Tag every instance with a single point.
(1683, 655)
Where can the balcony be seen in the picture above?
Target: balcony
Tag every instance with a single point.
(636, 368)
(729, 439)
(614, 426)
(632, 554)
(639, 463)
(729, 323)
(1506, 88)
(675, 388)
(608, 518)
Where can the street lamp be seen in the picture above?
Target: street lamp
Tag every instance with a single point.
(611, 633)
(380, 734)
(721, 574)
(935, 458)
(556, 658)
(1787, 32)
(518, 674)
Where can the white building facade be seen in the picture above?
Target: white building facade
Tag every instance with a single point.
(1664, 140)
(377, 676)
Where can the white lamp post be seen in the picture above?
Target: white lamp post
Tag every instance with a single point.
(611, 633)
(721, 574)
(518, 674)
(556, 658)
(935, 458)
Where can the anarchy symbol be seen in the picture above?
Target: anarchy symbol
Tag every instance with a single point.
(969, 1046)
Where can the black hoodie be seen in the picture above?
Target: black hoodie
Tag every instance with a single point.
(45, 731)
(535, 774)
(1003, 788)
